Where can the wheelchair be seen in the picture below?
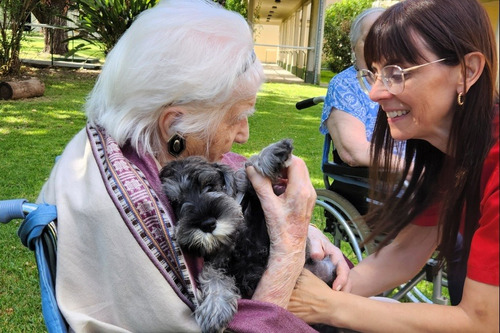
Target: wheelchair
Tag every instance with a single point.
(339, 211)
(38, 233)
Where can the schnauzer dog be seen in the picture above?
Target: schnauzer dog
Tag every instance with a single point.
(220, 219)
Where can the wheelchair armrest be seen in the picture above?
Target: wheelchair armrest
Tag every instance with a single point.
(332, 169)
(336, 166)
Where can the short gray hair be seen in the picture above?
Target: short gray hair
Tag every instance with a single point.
(356, 24)
(181, 52)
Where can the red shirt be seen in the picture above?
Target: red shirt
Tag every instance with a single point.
(484, 253)
(483, 262)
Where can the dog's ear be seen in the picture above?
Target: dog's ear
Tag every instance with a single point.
(167, 171)
(172, 190)
(227, 175)
(241, 180)
(170, 176)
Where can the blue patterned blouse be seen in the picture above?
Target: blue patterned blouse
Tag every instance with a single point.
(344, 93)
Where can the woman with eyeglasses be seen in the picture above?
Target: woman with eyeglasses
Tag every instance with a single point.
(432, 67)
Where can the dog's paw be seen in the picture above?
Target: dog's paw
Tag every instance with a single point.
(324, 269)
(273, 159)
(219, 300)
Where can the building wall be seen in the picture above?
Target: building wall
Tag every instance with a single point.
(268, 37)
(272, 40)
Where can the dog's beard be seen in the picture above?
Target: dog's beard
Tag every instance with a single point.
(209, 224)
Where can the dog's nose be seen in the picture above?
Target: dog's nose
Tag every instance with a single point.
(208, 225)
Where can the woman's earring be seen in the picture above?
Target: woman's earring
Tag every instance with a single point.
(176, 145)
(460, 98)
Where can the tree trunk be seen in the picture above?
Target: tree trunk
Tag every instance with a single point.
(48, 12)
(55, 38)
(21, 89)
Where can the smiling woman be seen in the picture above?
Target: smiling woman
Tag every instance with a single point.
(446, 111)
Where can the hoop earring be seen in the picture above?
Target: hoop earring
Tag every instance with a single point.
(460, 99)
(176, 145)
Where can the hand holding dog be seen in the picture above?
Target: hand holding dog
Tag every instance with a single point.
(287, 218)
(320, 247)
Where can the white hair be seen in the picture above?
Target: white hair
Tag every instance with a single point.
(192, 53)
(357, 23)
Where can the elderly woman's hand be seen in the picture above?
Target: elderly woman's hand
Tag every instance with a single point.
(287, 218)
(320, 247)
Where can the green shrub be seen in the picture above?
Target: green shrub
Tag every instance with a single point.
(338, 19)
(13, 15)
(102, 22)
(240, 6)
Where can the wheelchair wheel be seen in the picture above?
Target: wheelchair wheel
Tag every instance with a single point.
(346, 228)
(430, 286)
(338, 218)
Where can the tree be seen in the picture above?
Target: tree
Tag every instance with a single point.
(53, 13)
(13, 16)
(338, 19)
(102, 22)
(240, 6)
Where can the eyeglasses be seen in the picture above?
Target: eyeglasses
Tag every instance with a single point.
(392, 76)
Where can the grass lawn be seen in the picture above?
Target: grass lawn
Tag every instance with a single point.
(33, 45)
(325, 76)
(32, 133)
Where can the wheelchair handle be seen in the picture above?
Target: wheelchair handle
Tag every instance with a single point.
(307, 103)
(15, 209)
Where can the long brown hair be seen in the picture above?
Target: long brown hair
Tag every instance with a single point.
(450, 29)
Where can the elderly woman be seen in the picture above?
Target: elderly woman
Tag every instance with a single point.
(432, 66)
(181, 81)
(348, 114)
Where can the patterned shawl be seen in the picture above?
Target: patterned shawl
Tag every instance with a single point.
(142, 210)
